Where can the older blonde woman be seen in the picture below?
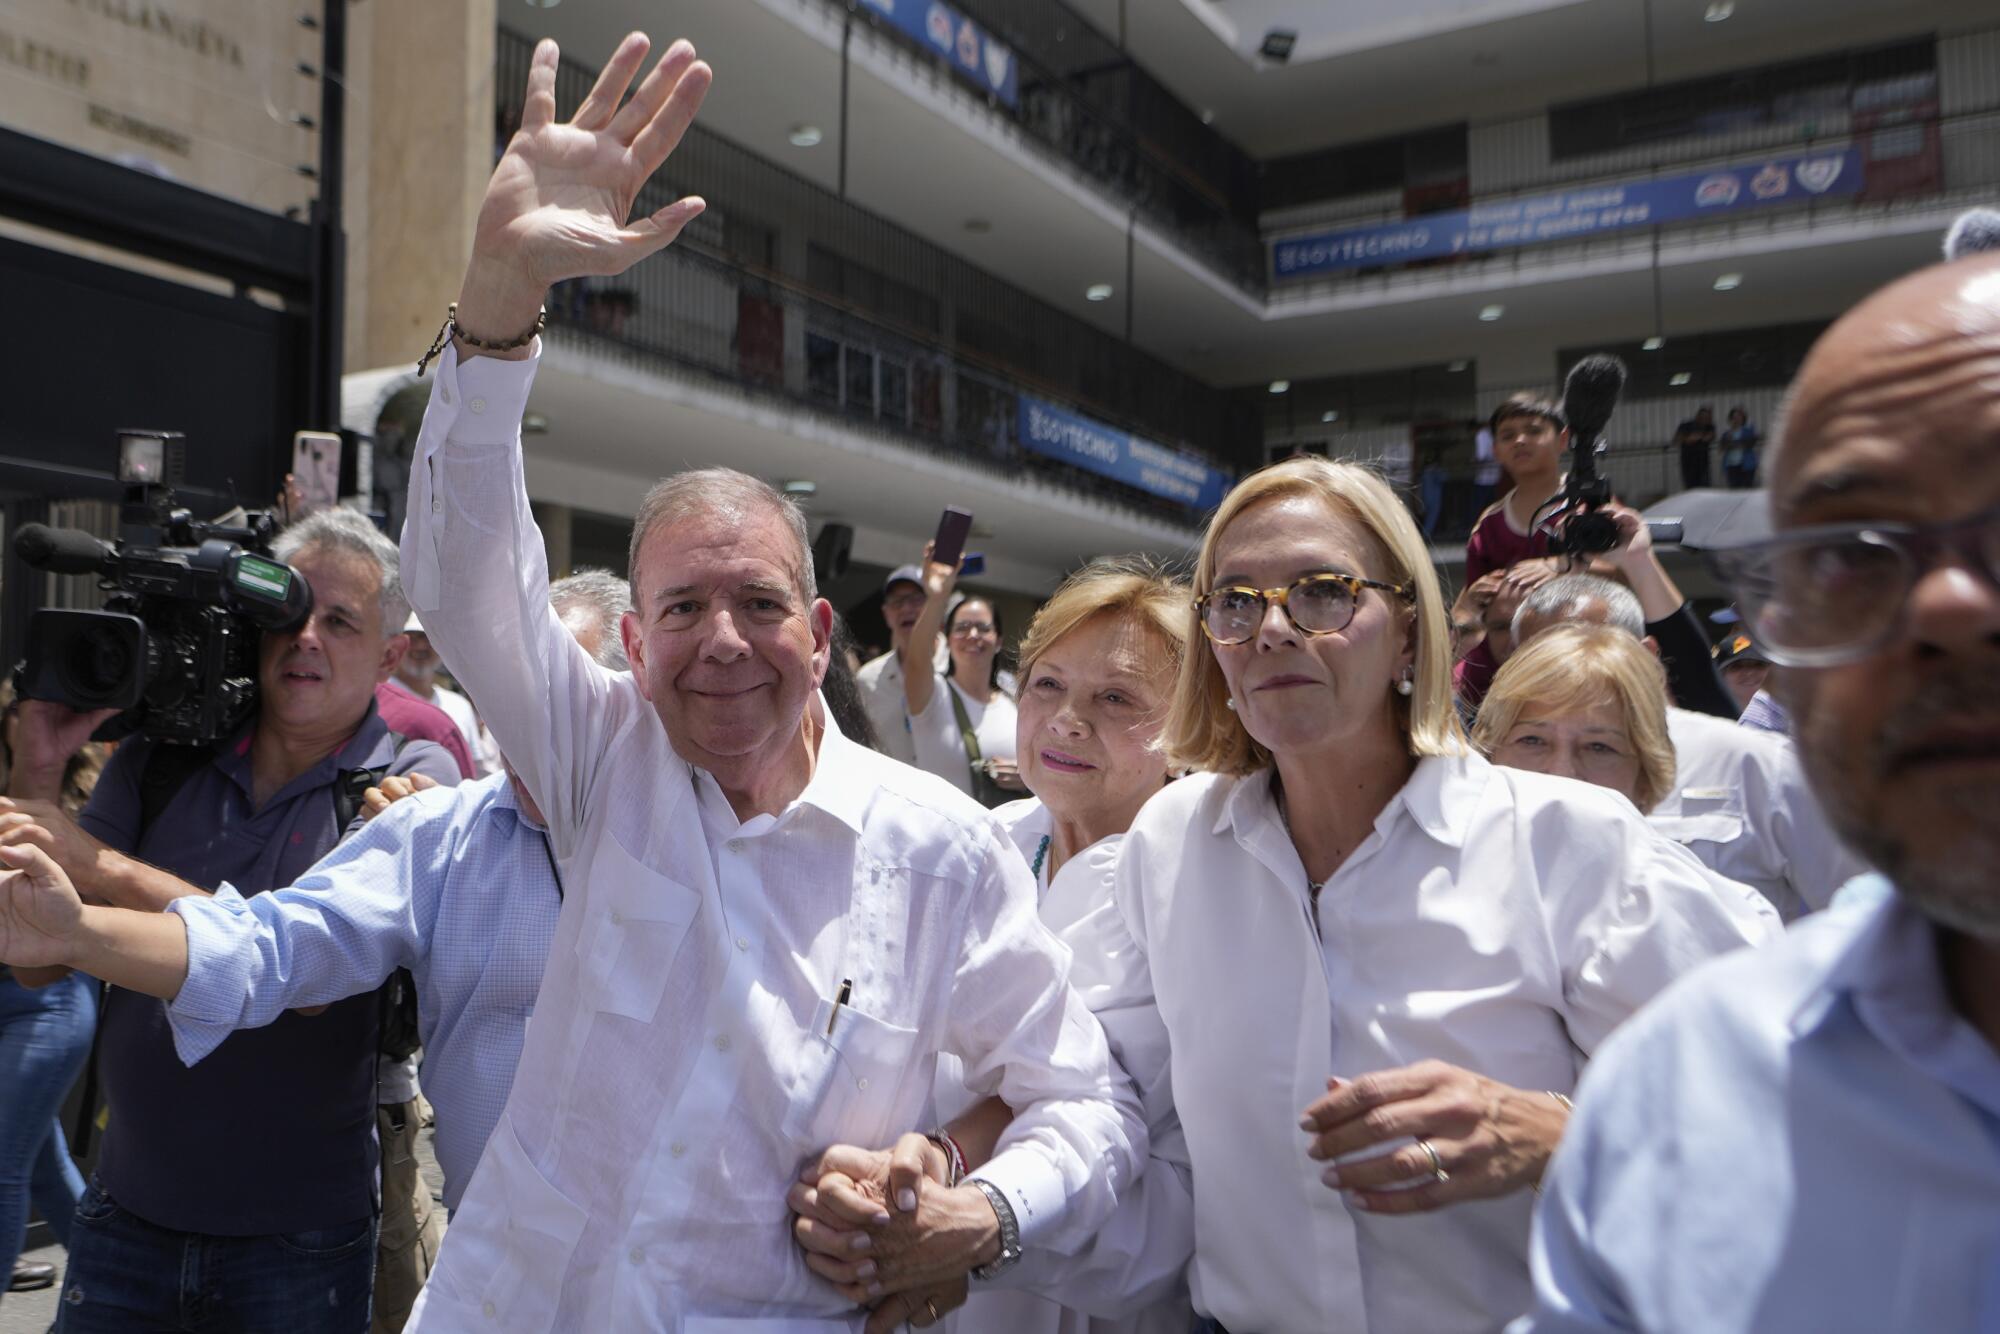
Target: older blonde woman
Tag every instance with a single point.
(1097, 671)
(1586, 702)
(1377, 960)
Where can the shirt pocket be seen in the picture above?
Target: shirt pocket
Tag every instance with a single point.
(848, 1086)
(1706, 815)
(637, 920)
(515, 1278)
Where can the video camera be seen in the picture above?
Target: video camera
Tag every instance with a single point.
(1577, 523)
(176, 645)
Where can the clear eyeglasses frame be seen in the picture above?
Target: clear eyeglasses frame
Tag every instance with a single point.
(1317, 604)
(1837, 593)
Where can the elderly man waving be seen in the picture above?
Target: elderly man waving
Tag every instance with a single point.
(770, 933)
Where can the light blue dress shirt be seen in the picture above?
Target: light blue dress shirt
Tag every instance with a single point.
(1800, 1138)
(454, 884)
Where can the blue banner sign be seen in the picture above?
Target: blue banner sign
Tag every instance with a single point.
(1507, 223)
(979, 57)
(1110, 452)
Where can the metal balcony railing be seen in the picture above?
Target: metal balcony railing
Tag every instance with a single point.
(1083, 115)
(1914, 158)
(837, 334)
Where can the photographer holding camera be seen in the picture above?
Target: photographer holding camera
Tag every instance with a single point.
(244, 1186)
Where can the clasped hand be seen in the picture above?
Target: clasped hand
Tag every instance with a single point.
(884, 1229)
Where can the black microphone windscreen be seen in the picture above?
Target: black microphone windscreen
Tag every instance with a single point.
(1974, 232)
(1589, 395)
(61, 550)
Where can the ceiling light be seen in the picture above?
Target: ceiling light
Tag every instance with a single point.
(978, 226)
(1459, 367)
(1278, 44)
(1491, 313)
(534, 423)
(543, 4)
(800, 489)
(1654, 344)
(1728, 282)
(1719, 11)
(1280, 386)
(1329, 416)
(1097, 292)
(805, 136)
(1680, 378)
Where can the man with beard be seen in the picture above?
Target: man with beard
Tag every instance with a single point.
(1804, 1138)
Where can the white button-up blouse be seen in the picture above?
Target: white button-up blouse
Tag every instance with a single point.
(1498, 920)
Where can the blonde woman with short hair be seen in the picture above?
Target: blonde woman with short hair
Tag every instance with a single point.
(1097, 671)
(1586, 702)
(1377, 961)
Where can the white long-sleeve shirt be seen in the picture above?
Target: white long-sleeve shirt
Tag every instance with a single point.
(1497, 920)
(1740, 803)
(1131, 1278)
(685, 1058)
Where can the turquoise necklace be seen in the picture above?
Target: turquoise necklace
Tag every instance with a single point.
(1040, 854)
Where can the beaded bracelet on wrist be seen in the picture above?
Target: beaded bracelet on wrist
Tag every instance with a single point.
(451, 327)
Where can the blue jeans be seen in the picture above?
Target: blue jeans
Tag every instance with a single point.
(126, 1274)
(44, 1041)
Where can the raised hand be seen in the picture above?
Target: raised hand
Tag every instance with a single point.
(560, 202)
(40, 912)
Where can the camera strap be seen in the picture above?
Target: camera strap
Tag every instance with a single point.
(167, 771)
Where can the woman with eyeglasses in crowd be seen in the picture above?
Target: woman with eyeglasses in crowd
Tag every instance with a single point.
(962, 718)
(1377, 961)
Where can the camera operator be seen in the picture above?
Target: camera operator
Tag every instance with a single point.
(1693, 681)
(245, 1185)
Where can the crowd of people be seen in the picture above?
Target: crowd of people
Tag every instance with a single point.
(1288, 946)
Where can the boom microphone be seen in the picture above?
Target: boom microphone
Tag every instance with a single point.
(1589, 395)
(62, 550)
(1975, 231)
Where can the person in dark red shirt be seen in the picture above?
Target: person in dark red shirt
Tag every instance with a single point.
(1508, 546)
(419, 721)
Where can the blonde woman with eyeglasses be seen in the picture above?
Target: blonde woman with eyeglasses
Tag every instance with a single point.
(1377, 960)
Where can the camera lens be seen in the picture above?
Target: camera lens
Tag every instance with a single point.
(1591, 534)
(99, 663)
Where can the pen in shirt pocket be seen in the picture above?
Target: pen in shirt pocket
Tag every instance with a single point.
(845, 994)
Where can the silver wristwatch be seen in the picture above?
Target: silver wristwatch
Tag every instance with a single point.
(1010, 1232)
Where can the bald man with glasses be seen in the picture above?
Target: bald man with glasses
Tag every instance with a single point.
(1808, 1138)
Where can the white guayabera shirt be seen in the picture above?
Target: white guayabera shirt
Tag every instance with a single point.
(685, 1057)
(1498, 920)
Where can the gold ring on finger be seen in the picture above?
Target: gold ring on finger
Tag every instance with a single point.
(930, 1309)
(1437, 1168)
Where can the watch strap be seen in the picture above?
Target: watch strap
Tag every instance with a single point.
(1010, 1232)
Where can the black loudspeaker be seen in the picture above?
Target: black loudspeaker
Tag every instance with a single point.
(832, 550)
